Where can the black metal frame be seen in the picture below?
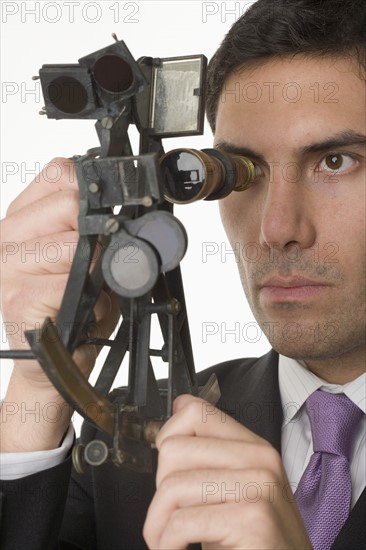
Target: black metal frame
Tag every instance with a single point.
(134, 422)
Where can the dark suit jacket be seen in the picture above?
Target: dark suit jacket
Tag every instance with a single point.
(105, 508)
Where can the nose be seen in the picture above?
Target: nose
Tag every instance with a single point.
(287, 215)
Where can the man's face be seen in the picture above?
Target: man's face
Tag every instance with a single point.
(301, 225)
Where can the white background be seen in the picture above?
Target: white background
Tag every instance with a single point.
(62, 32)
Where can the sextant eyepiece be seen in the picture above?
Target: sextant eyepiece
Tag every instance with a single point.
(190, 175)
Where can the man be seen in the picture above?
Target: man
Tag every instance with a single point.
(223, 483)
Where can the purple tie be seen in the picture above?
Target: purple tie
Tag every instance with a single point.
(324, 492)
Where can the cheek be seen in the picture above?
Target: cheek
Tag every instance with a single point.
(352, 255)
(230, 218)
(343, 236)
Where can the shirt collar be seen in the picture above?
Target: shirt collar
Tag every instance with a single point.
(297, 382)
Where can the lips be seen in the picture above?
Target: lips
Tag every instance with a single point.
(291, 282)
(291, 289)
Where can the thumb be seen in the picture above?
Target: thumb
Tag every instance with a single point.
(183, 400)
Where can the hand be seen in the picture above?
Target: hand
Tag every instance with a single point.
(219, 484)
(39, 236)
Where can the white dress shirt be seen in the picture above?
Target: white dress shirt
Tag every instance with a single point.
(296, 384)
(16, 465)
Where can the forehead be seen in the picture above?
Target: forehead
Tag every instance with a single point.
(291, 100)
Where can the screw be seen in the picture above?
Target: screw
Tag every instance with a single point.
(112, 225)
(147, 201)
(107, 122)
(93, 187)
(174, 306)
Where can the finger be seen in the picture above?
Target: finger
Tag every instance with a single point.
(213, 486)
(198, 417)
(180, 453)
(31, 301)
(45, 295)
(107, 313)
(220, 525)
(54, 213)
(181, 401)
(48, 254)
(26, 306)
(232, 526)
(58, 175)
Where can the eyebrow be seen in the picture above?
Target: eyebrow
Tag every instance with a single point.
(343, 139)
(241, 151)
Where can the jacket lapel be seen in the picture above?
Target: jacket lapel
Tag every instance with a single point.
(353, 534)
(251, 395)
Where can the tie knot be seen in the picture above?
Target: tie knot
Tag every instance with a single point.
(334, 419)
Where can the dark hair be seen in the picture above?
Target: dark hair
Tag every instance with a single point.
(275, 28)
